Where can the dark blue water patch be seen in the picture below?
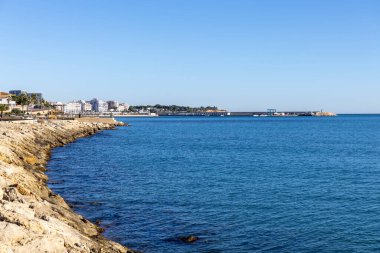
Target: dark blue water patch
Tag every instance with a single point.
(240, 184)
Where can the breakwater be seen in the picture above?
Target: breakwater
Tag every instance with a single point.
(250, 114)
(32, 217)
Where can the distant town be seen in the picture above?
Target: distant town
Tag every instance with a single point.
(20, 101)
(16, 103)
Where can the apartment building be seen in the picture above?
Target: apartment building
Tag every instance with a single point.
(73, 107)
(98, 105)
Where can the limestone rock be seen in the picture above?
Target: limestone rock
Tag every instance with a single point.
(10, 194)
(32, 217)
(22, 190)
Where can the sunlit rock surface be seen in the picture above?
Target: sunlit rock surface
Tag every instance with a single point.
(32, 217)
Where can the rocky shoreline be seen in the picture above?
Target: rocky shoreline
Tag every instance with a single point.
(32, 217)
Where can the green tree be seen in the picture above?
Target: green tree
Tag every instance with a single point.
(46, 104)
(23, 100)
(3, 108)
(16, 111)
(33, 99)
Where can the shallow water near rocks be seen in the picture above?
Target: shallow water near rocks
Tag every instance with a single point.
(240, 184)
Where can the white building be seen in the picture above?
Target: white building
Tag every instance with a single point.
(98, 105)
(86, 107)
(122, 107)
(115, 106)
(59, 106)
(73, 107)
(5, 99)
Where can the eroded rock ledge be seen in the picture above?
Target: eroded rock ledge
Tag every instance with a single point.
(32, 217)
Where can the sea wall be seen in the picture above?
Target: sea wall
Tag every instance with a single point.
(32, 217)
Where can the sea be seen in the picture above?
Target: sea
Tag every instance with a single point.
(239, 184)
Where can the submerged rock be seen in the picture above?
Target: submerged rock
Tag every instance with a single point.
(189, 238)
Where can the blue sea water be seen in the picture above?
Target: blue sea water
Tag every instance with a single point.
(242, 184)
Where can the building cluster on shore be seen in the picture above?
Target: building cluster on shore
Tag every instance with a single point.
(34, 102)
(91, 106)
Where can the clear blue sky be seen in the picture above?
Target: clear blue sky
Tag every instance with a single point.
(236, 54)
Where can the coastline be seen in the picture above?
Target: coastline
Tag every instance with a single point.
(32, 217)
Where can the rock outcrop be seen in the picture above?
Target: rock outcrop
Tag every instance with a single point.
(189, 238)
(32, 217)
